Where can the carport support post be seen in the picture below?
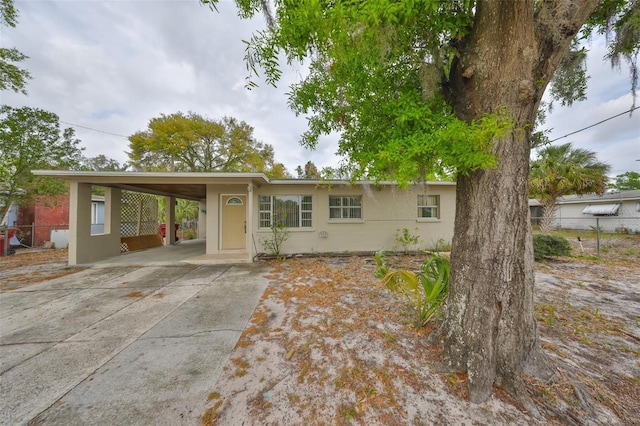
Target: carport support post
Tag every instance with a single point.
(598, 236)
(249, 222)
(170, 220)
(202, 217)
(80, 247)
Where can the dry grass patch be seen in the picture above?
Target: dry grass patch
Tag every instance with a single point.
(328, 345)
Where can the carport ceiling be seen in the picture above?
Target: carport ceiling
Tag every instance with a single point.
(191, 186)
(190, 191)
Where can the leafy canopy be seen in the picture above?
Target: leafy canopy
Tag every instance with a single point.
(11, 76)
(379, 76)
(626, 181)
(30, 139)
(191, 142)
(102, 163)
(375, 77)
(562, 170)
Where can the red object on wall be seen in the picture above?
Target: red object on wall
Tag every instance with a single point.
(163, 229)
(9, 234)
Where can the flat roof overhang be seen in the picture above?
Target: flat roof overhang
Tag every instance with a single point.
(190, 186)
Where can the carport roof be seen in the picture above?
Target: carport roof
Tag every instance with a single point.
(192, 186)
(189, 185)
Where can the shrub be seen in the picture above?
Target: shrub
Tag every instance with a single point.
(425, 290)
(406, 239)
(273, 244)
(550, 245)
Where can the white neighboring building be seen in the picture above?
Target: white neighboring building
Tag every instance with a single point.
(615, 211)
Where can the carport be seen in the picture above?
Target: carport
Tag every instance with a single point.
(225, 206)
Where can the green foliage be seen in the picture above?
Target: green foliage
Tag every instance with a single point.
(185, 209)
(406, 239)
(310, 171)
(102, 163)
(569, 82)
(619, 21)
(376, 76)
(11, 76)
(626, 181)
(426, 290)
(549, 246)
(31, 139)
(190, 142)
(279, 234)
(441, 245)
(562, 170)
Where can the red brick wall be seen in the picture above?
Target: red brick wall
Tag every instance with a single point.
(50, 212)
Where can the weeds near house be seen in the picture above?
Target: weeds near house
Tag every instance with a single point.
(406, 239)
(426, 290)
(442, 245)
(279, 234)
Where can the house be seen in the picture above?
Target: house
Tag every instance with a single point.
(617, 211)
(46, 218)
(238, 210)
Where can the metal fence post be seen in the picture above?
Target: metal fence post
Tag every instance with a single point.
(598, 236)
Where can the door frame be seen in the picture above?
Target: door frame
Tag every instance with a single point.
(221, 216)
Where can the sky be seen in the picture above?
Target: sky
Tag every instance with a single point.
(114, 65)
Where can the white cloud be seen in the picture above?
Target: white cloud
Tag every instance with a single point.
(616, 141)
(114, 65)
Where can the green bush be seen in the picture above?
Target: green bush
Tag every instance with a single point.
(426, 290)
(549, 246)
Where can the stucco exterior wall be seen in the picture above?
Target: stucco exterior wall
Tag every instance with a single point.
(385, 209)
(570, 216)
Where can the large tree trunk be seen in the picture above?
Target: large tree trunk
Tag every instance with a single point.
(505, 62)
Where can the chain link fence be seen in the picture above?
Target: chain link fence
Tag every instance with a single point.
(604, 224)
(601, 230)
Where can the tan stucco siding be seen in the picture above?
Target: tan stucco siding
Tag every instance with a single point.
(385, 209)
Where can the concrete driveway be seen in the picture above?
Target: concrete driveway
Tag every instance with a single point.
(122, 345)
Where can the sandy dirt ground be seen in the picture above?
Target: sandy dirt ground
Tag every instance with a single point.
(328, 345)
(30, 266)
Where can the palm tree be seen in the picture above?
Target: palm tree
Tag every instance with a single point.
(562, 170)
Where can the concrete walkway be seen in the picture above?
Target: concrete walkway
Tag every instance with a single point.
(122, 345)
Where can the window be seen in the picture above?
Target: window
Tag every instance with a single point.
(429, 206)
(293, 211)
(345, 207)
(94, 213)
(234, 201)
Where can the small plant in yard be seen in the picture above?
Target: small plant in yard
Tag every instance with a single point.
(406, 239)
(442, 245)
(550, 245)
(279, 234)
(426, 290)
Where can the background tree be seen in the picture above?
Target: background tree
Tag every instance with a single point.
(102, 163)
(310, 171)
(30, 139)
(626, 181)
(190, 142)
(417, 87)
(563, 170)
(11, 76)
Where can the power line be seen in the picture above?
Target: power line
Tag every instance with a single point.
(94, 130)
(593, 125)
